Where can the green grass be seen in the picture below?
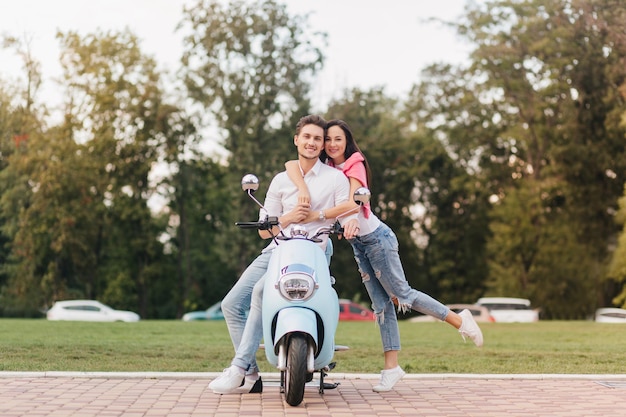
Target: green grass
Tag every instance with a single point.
(174, 346)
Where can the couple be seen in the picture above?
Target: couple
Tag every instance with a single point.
(313, 193)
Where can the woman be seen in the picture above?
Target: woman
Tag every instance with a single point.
(375, 249)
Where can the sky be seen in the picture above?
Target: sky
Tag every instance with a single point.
(371, 43)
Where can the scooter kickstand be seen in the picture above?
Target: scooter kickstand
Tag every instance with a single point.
(326, 385)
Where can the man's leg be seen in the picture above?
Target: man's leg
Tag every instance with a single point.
(236, 304)
(232, 379)
(245, 357)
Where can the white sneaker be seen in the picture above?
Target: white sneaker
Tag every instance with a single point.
(232, 378)
(470, 328)
(251, 385)
(388, 378)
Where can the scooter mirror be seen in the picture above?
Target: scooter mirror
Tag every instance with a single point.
(250, 182)
(362, 196)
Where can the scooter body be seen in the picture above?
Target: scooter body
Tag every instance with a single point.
(296, 263)
(300, 309)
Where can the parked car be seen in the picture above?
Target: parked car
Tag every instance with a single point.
(349, 310)
(88, 310)
(480, 313)
(212, 313)
(509, 309)
(610, 315)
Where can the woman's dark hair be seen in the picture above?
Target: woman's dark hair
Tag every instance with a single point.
(351, 146)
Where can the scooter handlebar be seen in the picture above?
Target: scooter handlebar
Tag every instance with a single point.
(335, 229)
(266, 224)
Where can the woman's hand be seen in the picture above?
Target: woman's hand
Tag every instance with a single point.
(351, 229)
(304, 197)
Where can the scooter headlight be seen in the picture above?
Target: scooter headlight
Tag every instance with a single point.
(297, 283)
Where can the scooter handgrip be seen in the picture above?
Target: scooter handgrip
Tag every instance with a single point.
(269, 223)
(249, 225)
(337, 229)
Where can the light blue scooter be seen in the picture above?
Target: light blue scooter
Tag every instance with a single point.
(300, 306)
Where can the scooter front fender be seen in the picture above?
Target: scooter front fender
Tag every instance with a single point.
(295, 319)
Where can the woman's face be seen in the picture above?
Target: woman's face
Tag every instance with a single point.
(335, 144)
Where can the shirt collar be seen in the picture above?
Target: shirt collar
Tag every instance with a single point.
(316, 168)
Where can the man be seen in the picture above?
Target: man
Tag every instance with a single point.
(328, 188)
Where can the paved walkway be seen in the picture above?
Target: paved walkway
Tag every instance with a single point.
(62, 394)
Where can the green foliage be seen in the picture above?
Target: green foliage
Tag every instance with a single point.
(71, 225)
(617, 269)
(249, 63)
(202, 202)
(499, 177)
(534, 254)
(537, 105)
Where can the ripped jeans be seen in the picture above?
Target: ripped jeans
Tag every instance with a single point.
(378, 259)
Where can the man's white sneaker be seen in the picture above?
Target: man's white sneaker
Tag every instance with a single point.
(232, 378)
(251, 385)
(469, 328)
(388, 378)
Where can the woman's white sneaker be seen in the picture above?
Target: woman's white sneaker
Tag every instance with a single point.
(469, 328)
(388, 378)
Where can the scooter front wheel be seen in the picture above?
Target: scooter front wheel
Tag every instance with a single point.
(296, 374)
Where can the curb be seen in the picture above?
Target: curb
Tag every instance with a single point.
(276, 375)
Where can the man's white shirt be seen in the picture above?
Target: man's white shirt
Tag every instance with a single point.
(328, 187)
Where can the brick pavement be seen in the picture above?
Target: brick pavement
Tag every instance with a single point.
(57, 394)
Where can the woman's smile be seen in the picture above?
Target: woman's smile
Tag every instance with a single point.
(335, 144)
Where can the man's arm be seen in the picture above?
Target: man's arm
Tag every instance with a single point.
(295, 175)
(297, 215)
(344, 207)
(274, 205)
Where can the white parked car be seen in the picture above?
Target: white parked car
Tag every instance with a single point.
(88, 310)
(481, 314)
(510, 310)
(610, 315)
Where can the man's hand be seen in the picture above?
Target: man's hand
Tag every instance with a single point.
(299, 213)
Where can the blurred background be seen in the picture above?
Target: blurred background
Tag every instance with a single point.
(494, 130)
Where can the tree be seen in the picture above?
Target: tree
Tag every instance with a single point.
(201, 202)
(63, 245)
(529, 234)
(21, 122)
(617, 269)
(249, 65)
(115, 109)
(538, 93)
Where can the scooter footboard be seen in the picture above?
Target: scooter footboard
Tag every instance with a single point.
(295, 319)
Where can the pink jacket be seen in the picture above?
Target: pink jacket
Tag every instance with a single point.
(354, 168)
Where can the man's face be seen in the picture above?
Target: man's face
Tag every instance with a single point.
(310, 141)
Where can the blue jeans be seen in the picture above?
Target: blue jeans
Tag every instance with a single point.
(247, 293)
(236, 304)
(379, 263)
